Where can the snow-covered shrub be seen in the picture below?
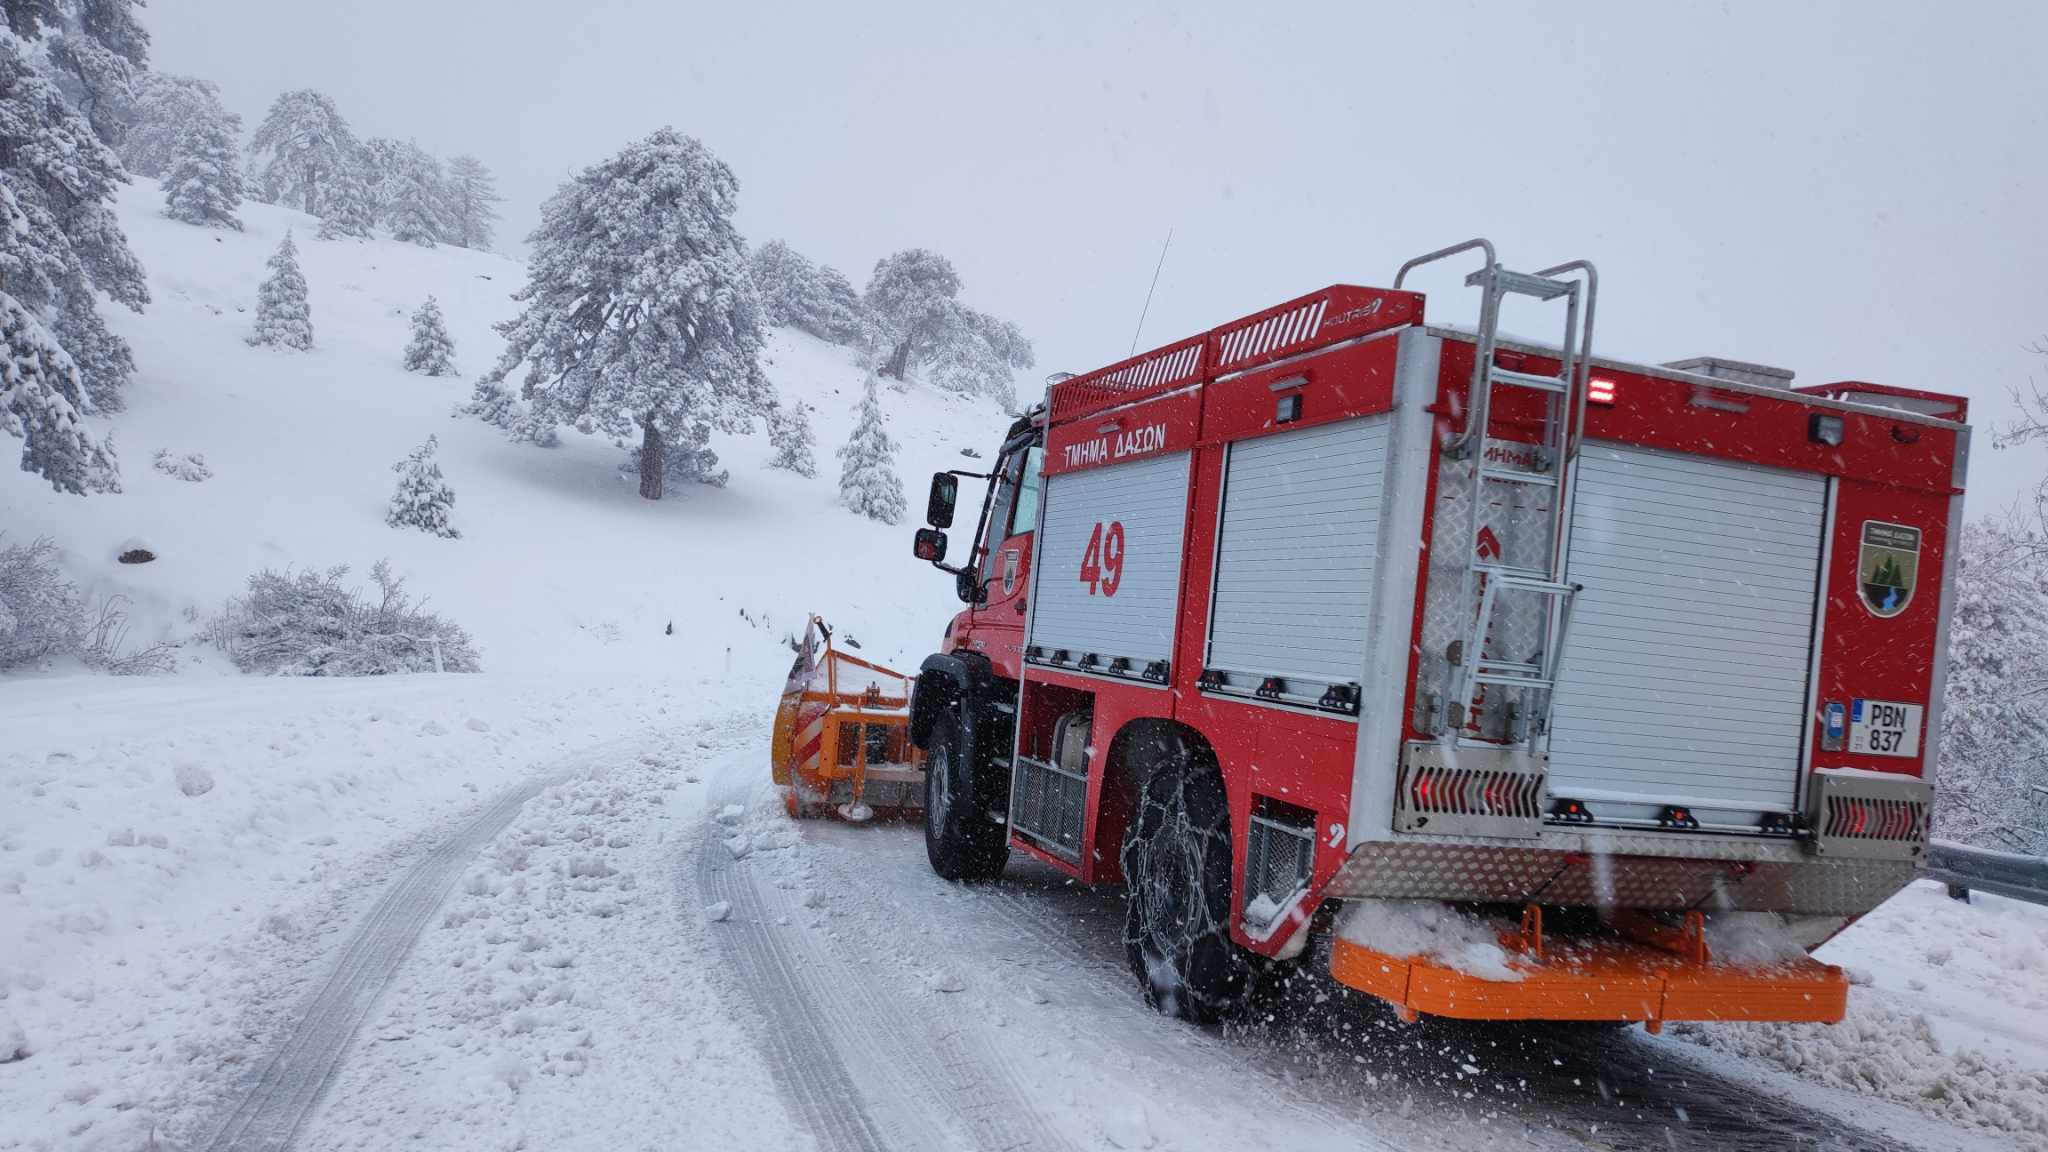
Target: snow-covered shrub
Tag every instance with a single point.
(423, 497)
(789, 432)
(867, 477)
(283, 316)
(308, 623)
(431, 350)
(41, 613)
(189, 467)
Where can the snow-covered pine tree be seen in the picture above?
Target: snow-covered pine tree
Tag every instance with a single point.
(840, 316)
(867, 474)
(283, 316)
(40, 404)
(430, 350)
(60, 243)
(468, 205)
(912, 306)
(638, 310)
(423, 497)
(204, 185)
(413, 200)
(910, 296)
(166, 105)
(305, 145)
(687, 458)
(789, 433)
(787, 282)
(350, 206)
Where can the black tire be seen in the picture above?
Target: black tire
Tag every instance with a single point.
(1176, 861)
(963, 837)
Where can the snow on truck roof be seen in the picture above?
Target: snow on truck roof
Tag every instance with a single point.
(1343, 312)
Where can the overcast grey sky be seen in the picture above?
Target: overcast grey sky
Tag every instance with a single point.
(1849, 190)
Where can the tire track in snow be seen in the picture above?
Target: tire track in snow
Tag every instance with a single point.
(866, 1068)
(275, 1101)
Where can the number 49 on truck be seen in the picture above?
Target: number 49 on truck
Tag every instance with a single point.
(1341, 638)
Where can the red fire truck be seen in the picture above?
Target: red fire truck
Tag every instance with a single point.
(1329, 607)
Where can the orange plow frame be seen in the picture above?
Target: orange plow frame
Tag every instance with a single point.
(1645, 972)
(820, 739)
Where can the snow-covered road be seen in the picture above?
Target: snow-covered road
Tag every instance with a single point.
(624, 943)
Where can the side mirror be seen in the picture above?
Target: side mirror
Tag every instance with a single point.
(938, 507)
(929, 545)
(968, 585)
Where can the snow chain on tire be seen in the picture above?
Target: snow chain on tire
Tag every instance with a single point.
(1176, 860)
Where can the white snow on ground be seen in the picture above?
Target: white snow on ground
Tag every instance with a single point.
(562, 999)
(1948, 1015)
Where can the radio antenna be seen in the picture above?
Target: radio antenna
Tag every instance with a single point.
(1147, 310)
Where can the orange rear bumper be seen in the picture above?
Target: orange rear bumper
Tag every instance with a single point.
(1611, 979)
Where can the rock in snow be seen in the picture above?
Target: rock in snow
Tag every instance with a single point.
(719, 912)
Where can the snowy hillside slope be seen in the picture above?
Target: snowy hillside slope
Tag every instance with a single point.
(561, 568)
(179, 854)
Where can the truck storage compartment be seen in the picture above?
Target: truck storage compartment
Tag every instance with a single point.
(1685, 673)
(1108, 582)
(1295, 560)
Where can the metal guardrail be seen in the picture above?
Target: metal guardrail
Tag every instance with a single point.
(1965, 870)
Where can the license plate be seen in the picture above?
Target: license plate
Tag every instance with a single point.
(1884, 728)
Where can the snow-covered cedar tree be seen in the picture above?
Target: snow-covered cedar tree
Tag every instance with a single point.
(312, 624)
(800, 294)
(1994, 738)
(97, 50)
(378, 160)
(41, 613)
(423, 498)
(304, 145)
(204, 183)
(687, 457)
(430, 350)
(468, 199)
(413, 198)
(789, 433)
(165, 106)
(638, 312)
(60, 244)
(283, 317)
(913, 307)
(867, 472)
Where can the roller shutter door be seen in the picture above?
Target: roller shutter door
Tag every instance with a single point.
(1684, 678)
(1131, 614)
(1294, 559)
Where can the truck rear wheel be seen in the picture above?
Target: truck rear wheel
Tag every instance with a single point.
(1176, 859)
(962, 838)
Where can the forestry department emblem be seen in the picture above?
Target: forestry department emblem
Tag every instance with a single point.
(1886, 567)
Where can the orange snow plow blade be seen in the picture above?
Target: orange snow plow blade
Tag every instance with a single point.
(842, 735)
(1645, 972)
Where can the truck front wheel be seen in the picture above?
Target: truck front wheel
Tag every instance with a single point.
(1176, 859)
(962, 837)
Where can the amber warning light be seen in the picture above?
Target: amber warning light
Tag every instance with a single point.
(1600, 391)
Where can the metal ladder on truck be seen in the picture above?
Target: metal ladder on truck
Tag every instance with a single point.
(1488, 578)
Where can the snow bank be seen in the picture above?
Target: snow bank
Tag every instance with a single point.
(1429, 929)
(1948, 1014)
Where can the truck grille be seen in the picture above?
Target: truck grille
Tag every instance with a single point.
(1047, 805)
